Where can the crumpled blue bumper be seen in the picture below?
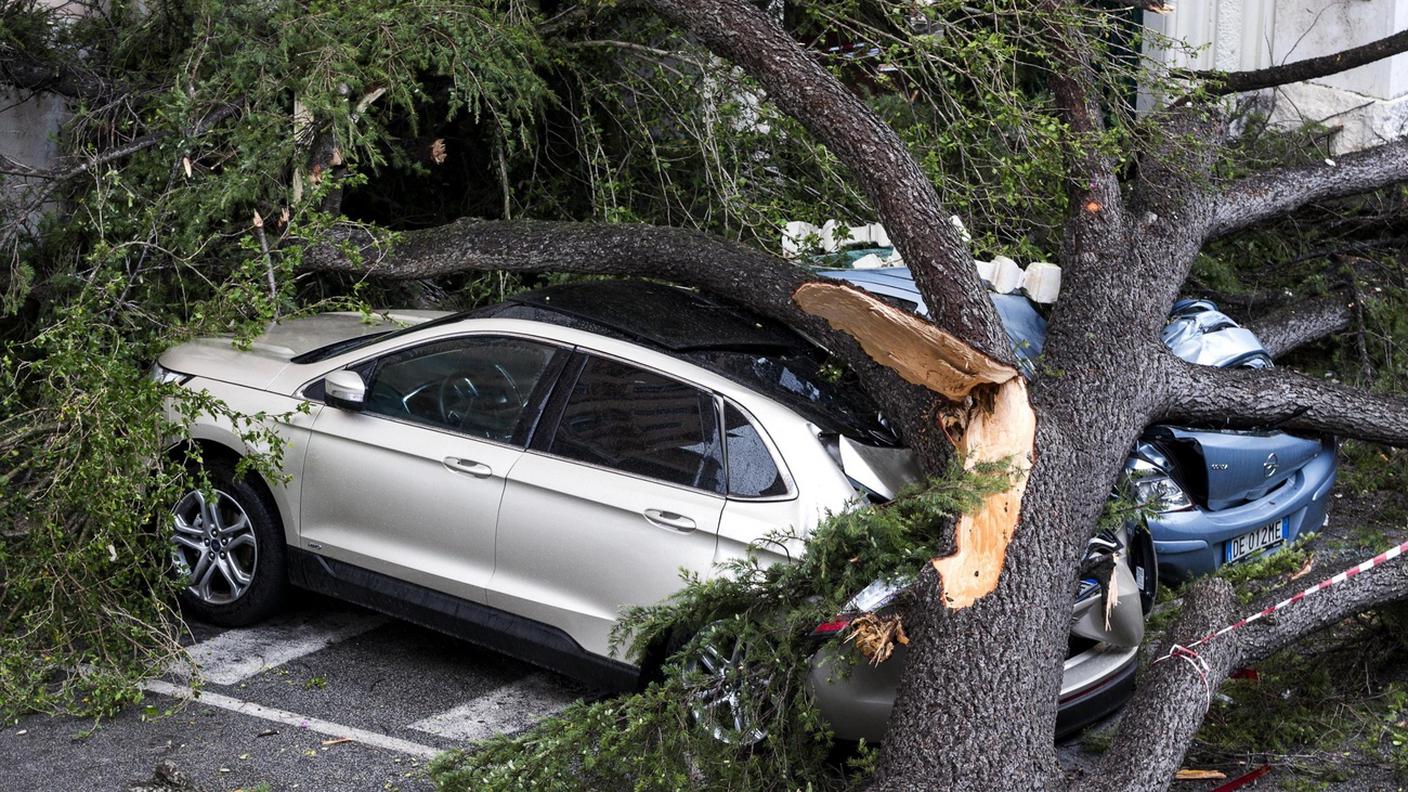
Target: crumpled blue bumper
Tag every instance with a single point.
(1193, 542)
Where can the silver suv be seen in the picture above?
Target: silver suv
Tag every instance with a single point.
(516, 475)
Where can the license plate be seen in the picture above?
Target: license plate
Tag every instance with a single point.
(1252, 542)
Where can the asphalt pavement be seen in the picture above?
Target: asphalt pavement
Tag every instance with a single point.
(324, 698)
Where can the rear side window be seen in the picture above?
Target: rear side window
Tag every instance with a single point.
(752, 473)
(636, 421)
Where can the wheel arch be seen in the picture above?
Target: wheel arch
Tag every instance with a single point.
(209, 446)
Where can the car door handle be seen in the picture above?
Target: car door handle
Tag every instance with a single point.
(476, 469)
(669, 519)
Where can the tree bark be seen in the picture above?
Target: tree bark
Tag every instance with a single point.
(1302, 323)
(1223, 83)
(1175, 694)
(1280, 191)
(1251, 398)
(978, 699)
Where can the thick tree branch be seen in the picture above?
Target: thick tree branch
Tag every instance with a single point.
(1222, 83)
(1302, 323)
(1159, 723)
(902, 194)
(729, 269)
(1279, 191)
(1248, 398)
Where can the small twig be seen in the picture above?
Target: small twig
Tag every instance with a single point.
(268, 261)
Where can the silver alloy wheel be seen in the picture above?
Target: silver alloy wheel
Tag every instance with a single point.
(729, 696)
(213, 546)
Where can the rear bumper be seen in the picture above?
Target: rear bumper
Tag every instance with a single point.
(856, 700)
(1191, 543)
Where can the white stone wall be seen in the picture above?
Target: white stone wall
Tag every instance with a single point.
(1367, 104)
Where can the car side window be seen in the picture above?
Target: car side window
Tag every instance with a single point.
(752, 473)
(636, 421)
(478, 385)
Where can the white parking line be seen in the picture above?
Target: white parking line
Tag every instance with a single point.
(287, 718)
(236, 655)
(504, 709)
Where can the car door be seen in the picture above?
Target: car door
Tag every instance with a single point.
(410, 485)
(623, 487)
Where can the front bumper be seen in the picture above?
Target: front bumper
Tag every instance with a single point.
(1191, 543)
(856, 700)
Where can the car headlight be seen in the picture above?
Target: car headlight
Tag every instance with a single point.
(1152, 487)
(162, 375)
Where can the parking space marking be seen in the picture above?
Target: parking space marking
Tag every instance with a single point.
(238, 654)
(502, 710)
(372, 739)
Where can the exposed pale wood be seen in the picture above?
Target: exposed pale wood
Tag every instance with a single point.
(1002, 431)
(919, 351)
(998, 419)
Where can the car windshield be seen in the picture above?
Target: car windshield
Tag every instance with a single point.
(798, 380)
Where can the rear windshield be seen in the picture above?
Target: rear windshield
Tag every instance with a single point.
(834, 403)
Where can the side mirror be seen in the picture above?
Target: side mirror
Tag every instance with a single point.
(345, 390)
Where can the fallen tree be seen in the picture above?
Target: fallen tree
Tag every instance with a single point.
(977, 706)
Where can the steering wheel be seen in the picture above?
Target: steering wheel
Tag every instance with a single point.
(462, 391)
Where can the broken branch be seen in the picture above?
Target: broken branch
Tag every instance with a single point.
(996, 423)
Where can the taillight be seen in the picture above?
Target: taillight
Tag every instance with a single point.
(829, 628)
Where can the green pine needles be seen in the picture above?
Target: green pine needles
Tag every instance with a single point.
(655, 739)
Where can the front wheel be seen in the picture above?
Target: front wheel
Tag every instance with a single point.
(734, 692)
(227, 546)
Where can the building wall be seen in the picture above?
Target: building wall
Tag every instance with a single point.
(1366, 105)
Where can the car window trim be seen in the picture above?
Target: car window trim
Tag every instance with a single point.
(561, 352)
(552, 418)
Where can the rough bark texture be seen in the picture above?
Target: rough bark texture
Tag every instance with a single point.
(893, 181)
(1240, 398)
(1222, 83)
(1276, 192)
(1175, 694)
(1297, 324)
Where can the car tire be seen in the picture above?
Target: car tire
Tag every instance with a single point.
(229, 549)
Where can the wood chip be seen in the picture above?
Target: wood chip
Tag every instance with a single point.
(1199, 775)
(1305, 570)
(337, 741)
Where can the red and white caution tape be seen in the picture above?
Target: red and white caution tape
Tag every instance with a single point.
(1186, 651)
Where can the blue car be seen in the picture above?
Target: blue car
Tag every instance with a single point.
(1220, 497)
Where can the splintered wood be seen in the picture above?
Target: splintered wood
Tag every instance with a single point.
(991, 421)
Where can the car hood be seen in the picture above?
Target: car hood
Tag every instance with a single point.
(256, 363)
